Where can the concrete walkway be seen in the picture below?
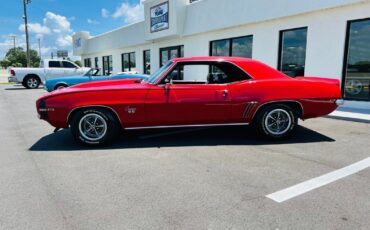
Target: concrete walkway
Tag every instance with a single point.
(352, 114)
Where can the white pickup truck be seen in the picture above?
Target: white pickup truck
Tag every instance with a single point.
(31, 78)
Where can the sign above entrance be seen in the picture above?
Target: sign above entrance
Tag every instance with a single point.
(159, 17)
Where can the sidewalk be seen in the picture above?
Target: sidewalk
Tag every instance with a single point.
(351, 114)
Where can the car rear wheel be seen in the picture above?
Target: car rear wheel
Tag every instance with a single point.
(276, 121)
(31, 82)
(94, 127)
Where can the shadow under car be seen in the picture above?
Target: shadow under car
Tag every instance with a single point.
(215, 136)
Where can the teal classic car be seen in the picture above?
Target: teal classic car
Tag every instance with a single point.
(92, 75)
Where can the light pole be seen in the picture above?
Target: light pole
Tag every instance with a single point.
(13, 37)
(39, 47)
(25, 2)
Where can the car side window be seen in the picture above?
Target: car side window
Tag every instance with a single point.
(205, 73)
(54, 64)
(67, 64)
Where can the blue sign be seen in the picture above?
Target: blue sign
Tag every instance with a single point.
(159, 17)
(78, 43)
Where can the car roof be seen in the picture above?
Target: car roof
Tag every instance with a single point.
(254, 68)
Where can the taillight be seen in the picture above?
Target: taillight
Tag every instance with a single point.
(12, 72)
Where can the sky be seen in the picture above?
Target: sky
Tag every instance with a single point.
(55, 21)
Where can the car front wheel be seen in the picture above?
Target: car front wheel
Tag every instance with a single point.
(276, 121)
(94, 127)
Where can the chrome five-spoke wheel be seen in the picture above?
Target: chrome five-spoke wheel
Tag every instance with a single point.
(278, 121)
(92, 127)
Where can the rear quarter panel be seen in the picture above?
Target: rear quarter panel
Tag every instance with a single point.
(316, 98)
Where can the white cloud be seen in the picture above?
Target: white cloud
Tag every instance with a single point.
(93, 22)
(57, 23)
(105, 13)
(35, 28)
(130, 13)
(64, 41)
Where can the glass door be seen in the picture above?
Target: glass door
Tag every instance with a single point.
(169, 53)
(356, 72)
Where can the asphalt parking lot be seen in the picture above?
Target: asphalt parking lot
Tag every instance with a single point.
(216, 178)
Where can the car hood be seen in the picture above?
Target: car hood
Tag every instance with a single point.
(126, 84)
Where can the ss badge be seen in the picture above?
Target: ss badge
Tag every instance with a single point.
(130, 110)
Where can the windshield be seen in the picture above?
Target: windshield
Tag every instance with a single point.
(91, 72)
(153, 78)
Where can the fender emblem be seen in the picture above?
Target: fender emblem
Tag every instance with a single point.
(130, 110)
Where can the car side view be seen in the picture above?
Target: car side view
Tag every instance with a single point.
(192, 92)
(91, 75)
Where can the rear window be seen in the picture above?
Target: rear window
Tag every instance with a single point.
(54, 64)
(67, 64)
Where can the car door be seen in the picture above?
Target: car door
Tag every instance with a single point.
(69, 69)
(55, 70)
(188, 99)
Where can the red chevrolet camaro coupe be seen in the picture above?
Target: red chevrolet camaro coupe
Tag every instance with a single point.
(191, 92)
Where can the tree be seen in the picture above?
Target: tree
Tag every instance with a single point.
(77, 62)
(17, 57)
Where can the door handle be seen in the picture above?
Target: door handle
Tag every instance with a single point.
(224, 92)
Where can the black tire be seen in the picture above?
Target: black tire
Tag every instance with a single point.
(264, 121)
(60, 86)
(31, 82)
(78, 125)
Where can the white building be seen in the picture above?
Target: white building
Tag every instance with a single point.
(328, 38)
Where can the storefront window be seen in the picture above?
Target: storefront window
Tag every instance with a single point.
(96, 63)
(87, 62)
(169, 53)
(357, 61)
(128, 62)
(146, 61)
(107, 65)
(242, 47)
(236, 47)
(292, 51)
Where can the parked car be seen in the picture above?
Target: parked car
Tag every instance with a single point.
(192, 92)
(92, 75)
(31, 78)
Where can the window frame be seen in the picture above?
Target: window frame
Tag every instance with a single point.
(231, 45)
(144, 62)
(87, 62)
(129, 61)
(280, 48)
(168, 49)
(109, 59)
(60, 64)
(345, 58)
(177, 66)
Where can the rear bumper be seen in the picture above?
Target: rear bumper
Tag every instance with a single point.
(339, 102)
(12, 79)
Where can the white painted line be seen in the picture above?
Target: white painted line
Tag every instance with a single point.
(351, 115)
(299, 189)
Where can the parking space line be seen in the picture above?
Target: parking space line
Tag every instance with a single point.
(299, 189)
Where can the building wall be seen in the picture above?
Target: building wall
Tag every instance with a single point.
(325, 38)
